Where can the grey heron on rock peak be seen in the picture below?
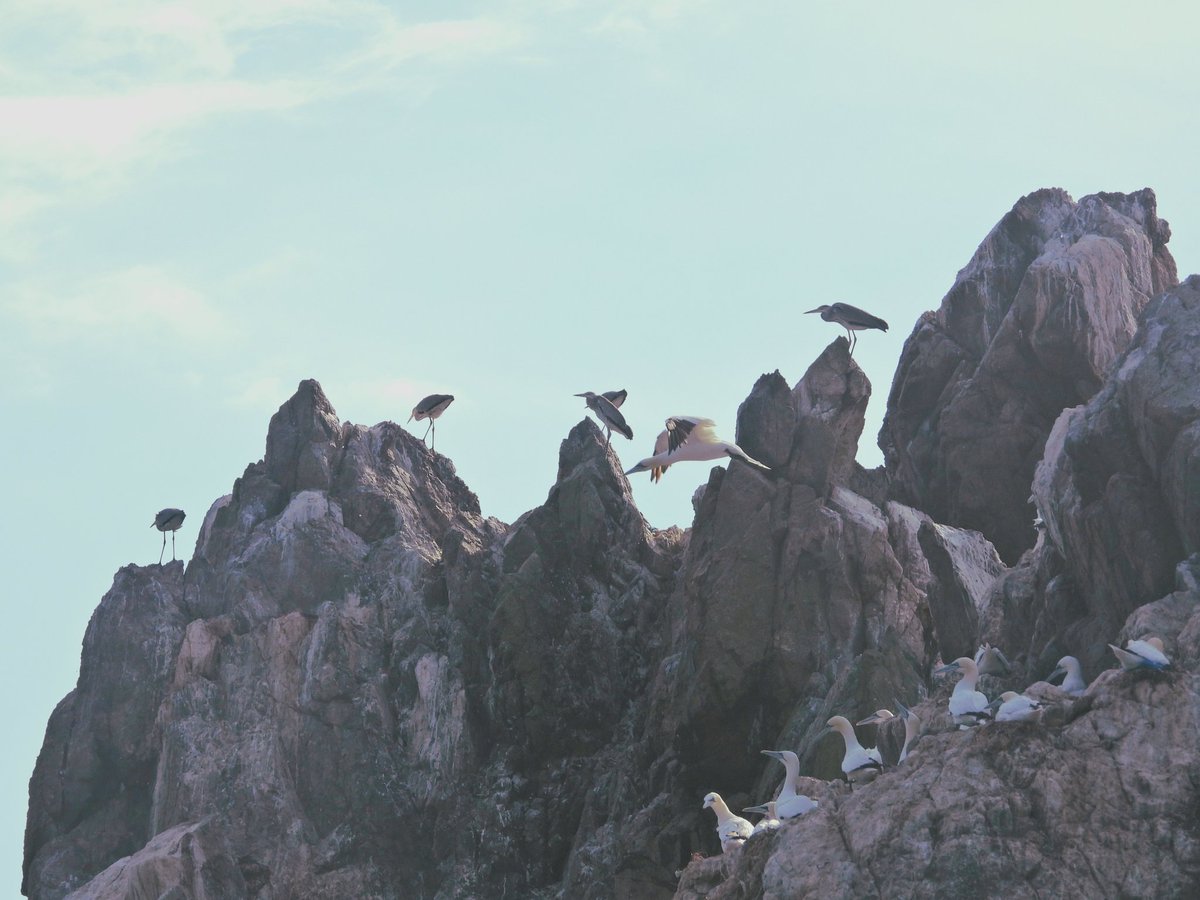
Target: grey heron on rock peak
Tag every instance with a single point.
(851, 318)
(608, 414)
(430, 408)
(690, 438)
(165, 520)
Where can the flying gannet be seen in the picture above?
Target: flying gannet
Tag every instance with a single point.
(732, 830)
(790, 803)
(851, 318)
(967, 705)
(769, 820)
(165, 520)
(608, 414)
(990, 660)
(860, 764)
(1014, 707)
(1073, 683)
(1143, 654)
(431, 408)
(689, 438)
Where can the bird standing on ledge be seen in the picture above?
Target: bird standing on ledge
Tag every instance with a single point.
(171, 520)
(851, 318)
(605, 407)
(430, 408)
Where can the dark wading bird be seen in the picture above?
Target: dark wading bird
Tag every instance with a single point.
(168, 520)
(605, 407)
(851, 318)
(430, 408)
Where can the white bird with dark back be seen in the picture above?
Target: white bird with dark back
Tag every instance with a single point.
(1014, 707)
(1143, 654)
(860, 764)
(690, 438)
(431, 408)
(169, 519)
(608, 414)
(732, 830)
(769, 820)
(790, 803)
(967, 705)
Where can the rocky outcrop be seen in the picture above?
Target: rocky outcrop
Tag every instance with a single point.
(1030, 327)
(359, 686)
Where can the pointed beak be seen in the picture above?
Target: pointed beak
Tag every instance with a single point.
(635, 470)
(949, 667)
(817, 310)
(761, 809)
(774, 754)
(580, 395)
(872, 719)
(1059, 671)
(905, 712)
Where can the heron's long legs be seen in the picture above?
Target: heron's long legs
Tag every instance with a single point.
(164, 548)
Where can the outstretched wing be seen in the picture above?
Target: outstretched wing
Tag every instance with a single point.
(616, 398)
(680, 428)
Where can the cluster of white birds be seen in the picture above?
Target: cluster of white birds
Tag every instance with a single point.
(968, 707)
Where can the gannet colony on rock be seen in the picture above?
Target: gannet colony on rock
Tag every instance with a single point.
(732, 830)
(1143, 654)
(861, 765)
(690, 438)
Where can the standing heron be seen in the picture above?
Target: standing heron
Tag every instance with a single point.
(168, 520)
(851, 318)
(605, 408)
(430, 408)
(689, 438)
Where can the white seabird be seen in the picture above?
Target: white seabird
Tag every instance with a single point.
(912, 729)
(169, 519)
(1073, 684)
(1144, 654)
(769, 820)
(990, 660)
(1014, 707)
(431, 408)
(860, 764)
(690, 438)
(732, 830)
(790, 803)
(608, 414)
(967, 705)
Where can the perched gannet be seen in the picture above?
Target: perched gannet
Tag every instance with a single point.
(912, 728)
(689, 438)
(851, 318)
(732, 830)
(990, 661)
(860, 764)
(769, 820)
(1144, 654)
(789, 803)
(1014, 707)
(967, 705)
(608, 414)
(1073, 684)
(169, 519)
(431, 408)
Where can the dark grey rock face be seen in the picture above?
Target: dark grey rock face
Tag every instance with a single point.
(1031, 326)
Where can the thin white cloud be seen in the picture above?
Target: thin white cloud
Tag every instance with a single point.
(140, 301)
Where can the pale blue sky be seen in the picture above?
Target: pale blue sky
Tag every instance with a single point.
(513, 202)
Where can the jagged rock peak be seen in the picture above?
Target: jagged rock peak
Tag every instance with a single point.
(305, 420)
(1030, 327)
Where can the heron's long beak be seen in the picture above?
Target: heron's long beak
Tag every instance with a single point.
(580, 395)
(807, 311)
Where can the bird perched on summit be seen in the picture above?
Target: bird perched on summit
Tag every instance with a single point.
(1144, 654)
(851, 318)
(732, 830)
(606, 410)
(165, 520)
(967, 705)
(860, 764)
(690, 438)
(431, 408)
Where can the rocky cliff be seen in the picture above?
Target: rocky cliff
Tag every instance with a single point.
(361, 687)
